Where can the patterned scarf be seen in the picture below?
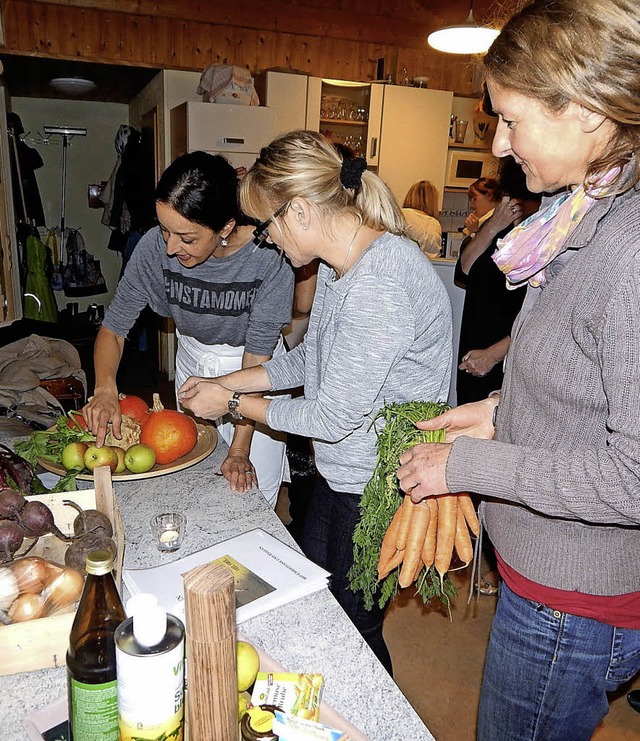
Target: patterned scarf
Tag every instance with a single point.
(524, 254)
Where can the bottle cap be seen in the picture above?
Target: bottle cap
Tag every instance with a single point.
(149, 625)
(99, 562)
(139, 602)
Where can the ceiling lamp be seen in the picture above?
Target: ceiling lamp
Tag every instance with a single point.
(465, 38)
(73, 86)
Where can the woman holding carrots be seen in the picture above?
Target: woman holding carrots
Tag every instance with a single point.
(379, 331)
(558, 450)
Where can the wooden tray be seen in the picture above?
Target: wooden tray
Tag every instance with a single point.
(207, 441)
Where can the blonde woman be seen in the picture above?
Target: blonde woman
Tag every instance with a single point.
(420, 209)
(561, 467)
(379, 332)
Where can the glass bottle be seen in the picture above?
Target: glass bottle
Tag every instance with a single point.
(91, 658)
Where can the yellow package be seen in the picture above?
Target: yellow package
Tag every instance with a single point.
(297, 694)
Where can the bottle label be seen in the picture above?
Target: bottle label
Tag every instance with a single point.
(94, 711)
(151, 694)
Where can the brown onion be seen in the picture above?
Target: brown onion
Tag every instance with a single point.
(8, 588)
(26, 607)
(64, 590)
(31, 573)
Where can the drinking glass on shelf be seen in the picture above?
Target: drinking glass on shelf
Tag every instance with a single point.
(461, 130)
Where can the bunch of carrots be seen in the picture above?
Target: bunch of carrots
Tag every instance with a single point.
(397, 542)
(424, 535)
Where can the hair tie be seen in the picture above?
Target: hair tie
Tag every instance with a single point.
(351, 171)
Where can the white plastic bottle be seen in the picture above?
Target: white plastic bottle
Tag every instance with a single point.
(150, 672)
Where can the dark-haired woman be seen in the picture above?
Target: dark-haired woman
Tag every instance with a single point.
(229, 300)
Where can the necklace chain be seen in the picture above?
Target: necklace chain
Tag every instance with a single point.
(349, 250)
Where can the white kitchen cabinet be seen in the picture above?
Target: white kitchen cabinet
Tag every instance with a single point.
(413, 137)
(406, 129)
(236, 131)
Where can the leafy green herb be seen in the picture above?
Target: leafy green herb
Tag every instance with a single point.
(49, 444)
(381, 498)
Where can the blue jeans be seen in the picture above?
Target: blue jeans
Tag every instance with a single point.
(327, 539)
(547, 673)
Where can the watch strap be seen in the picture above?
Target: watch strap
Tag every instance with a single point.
(234, 403)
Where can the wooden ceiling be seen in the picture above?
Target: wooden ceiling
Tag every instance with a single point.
(121, 44)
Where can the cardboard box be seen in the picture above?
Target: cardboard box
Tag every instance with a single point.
(43, 643)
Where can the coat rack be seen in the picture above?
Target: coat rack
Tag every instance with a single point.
(67, 133)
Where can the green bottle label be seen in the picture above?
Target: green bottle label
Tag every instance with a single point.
(94, 711)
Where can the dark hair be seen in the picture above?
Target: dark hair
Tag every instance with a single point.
(488, 187)
(202, 188)
(514, 182)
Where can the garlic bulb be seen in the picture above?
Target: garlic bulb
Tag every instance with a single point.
(8, 588)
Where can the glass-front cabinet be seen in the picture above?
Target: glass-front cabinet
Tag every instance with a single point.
(348, 113)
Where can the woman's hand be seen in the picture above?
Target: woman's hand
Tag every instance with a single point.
(205, 397)
(478, 362)
(472, 223)
(506, 213)
(103, 407)
(422, 470)
(472, 420)
(238, 470)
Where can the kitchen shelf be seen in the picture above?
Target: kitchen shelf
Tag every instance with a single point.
(342, 122)
(478, 147)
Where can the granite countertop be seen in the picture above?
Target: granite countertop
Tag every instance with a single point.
(312, 634)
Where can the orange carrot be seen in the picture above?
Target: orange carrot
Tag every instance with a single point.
(388, 547)
(463, 545)
(429, 547)
(469, 512)
(447, 516)
(415, 540)
(405, 518)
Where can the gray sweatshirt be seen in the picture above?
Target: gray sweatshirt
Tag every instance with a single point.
(380, 334)
(243, 299)
(565, 465)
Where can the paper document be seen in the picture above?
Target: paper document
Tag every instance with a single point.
(267, 574)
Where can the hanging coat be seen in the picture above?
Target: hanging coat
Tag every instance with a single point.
(39, 301)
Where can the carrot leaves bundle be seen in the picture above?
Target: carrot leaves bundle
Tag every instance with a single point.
(389, 549)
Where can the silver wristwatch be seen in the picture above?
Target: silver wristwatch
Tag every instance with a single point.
(234, 403)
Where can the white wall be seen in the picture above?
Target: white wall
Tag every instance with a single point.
(90, 159)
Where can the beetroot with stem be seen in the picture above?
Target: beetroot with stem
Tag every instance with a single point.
(11, 503)
(36, 519)
(11, 538)
(89, 521)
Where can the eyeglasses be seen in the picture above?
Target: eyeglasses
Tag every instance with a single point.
(261, 232)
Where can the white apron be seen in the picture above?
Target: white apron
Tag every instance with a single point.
(268, 448)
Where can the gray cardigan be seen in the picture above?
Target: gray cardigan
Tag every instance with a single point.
(380, 334)
(565, 465)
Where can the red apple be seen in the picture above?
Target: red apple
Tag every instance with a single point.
(104, 456)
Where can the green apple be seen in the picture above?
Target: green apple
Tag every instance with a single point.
(122, 466)
(73, 456)
(103, 456)
(247, 665)
(140, 458)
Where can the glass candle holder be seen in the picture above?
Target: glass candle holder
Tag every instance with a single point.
(168, 529)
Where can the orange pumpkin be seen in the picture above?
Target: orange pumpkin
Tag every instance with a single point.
(171, 434)
(133, 406)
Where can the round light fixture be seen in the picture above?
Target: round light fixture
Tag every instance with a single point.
(465, 38)
(73, 86)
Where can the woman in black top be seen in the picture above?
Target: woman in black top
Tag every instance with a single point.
(489, 308)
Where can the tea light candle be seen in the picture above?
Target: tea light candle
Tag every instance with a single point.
(168, 536)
